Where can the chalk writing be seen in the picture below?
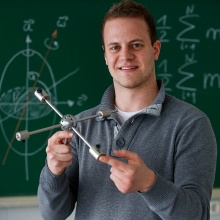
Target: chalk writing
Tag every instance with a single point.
(164, 74)
(162, 71)
(62, 21)
(163, 28)
(27, 27)
(17, 101)
(187, 45)
(211, 80)
(213, 33)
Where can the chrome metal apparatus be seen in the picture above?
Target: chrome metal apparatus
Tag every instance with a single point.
(68, 122)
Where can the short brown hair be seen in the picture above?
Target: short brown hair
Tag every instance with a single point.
(129, 8)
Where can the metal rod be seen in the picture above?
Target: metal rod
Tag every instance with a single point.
(86, 118)
(53, 107)
(23, 135)
(79, 134)
(44, 129)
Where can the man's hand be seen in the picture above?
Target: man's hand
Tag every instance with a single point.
(132, 176)
(59, 154)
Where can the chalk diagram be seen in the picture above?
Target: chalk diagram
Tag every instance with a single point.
(17, 102)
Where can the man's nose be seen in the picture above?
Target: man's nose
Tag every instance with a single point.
(126, 54)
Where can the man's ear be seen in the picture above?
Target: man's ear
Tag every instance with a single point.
(157, 47)
(106, 62)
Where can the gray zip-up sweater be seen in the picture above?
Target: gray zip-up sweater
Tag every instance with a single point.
(175, 140)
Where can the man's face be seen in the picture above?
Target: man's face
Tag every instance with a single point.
(128, 52)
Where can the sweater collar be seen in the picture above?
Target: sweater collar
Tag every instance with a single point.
(108, 100)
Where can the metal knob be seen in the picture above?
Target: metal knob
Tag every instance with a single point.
(22, 135)
(42, 95)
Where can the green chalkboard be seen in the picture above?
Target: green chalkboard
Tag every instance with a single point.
(56, 45)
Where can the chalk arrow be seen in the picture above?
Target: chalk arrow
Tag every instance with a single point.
(28, 39)
(70, 103)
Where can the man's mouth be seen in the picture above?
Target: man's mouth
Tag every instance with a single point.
(127, 67)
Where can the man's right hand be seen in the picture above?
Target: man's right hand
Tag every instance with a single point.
(59, 155)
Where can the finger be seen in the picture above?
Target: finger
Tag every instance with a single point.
(117, 172)
(57, 166)
(129, 155)
(59, 148)
(66, 141)
(108, 160)
(64, 157)
(115, 179)
(113, 162)
(59, 136)
(120, 183)
(59, 152)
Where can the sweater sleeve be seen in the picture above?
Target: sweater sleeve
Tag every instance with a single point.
(56, 194)
(188, 196)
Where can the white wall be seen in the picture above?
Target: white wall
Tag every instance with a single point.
(21, 208)
(23, 213)
(26, 208)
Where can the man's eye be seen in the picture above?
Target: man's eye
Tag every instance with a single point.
(114, 47)
(136, 46)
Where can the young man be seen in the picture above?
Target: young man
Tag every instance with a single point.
(161, 151)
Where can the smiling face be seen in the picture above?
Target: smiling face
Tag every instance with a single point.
(129, 53)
